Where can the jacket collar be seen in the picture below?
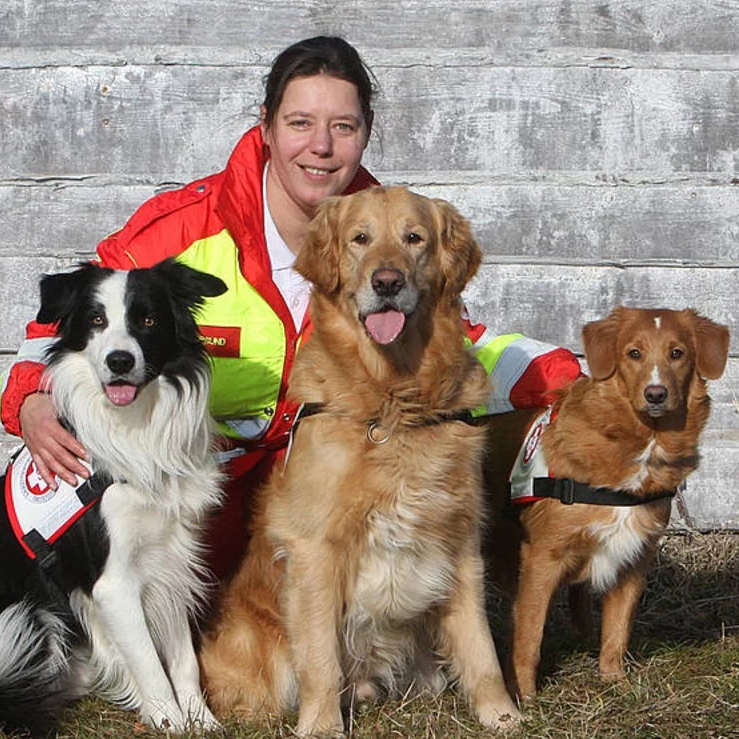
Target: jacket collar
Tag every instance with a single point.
(240, 200)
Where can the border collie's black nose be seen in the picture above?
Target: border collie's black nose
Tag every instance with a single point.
(655, 394)
(120, 361)
(387, 282)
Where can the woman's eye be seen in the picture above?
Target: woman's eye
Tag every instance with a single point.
(635, 354)
(345, 127)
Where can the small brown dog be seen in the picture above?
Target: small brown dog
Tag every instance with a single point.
(630, 430)
(364, 573)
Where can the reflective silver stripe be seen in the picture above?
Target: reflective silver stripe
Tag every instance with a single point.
(513, 363)
(497, 404)
(247, 428)
(31, 350)
(227, 455)
(34, 350)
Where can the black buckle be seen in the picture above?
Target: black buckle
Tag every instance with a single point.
(45, 555)
(564, 489)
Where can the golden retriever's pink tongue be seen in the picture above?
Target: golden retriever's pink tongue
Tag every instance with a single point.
(120, 394)
(386, 326)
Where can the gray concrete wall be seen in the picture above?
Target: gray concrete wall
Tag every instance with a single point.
(593, 145)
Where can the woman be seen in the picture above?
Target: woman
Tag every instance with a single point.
(246, 224)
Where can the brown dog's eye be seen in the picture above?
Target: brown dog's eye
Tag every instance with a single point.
(635, 354)
(676, 353)
(360, 238)
(414, 238)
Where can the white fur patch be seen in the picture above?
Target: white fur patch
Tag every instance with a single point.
(621, 545)
(111, 294)
(636, 480)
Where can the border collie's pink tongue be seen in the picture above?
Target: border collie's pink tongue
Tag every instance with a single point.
(386, 326)
(120, 394)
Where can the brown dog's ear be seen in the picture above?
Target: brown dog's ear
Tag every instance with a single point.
(599, 341)
(318, 259)
(711, 343)
(460, 255)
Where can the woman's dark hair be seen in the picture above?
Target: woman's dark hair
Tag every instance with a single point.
(329, 55)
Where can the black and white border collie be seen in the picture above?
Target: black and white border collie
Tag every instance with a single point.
(112, 615)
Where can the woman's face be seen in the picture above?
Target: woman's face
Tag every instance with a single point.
(316, 141)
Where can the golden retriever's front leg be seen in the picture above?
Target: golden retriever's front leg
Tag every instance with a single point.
(469, 645)
(312, 610)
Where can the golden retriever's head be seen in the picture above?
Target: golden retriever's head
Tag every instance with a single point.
(386, 252)
(656, 354)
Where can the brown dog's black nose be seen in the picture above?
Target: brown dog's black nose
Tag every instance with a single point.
(387, 282)
(655, 394)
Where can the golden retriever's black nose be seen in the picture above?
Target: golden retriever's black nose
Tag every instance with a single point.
(120, 361)
(655, 394)
(387, 282)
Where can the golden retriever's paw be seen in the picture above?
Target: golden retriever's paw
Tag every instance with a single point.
(315, 732)
(320, 719)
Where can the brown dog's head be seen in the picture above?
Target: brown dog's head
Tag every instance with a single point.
(384, 251)
(655, 354)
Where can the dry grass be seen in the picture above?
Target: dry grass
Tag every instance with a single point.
(683, 680)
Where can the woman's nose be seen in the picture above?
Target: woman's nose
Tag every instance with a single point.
(322, 141)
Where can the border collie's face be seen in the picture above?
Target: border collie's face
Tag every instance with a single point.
(132, 326)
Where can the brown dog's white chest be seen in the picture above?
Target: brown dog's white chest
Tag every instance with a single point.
(620, 540)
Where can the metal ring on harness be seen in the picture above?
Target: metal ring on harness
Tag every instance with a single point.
(372, 435)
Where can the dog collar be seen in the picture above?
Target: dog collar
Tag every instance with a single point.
(374, 429)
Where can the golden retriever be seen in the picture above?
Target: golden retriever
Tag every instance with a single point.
(363, 575)
(633, 428)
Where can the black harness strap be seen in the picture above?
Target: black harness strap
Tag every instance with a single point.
(569, 491)
(94, 487)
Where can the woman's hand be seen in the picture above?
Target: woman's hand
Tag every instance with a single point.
(54, 450)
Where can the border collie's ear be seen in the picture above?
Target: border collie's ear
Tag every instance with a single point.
(318, 259)
(188, 284)
(599, 340)
(60, 292)
(712, 345)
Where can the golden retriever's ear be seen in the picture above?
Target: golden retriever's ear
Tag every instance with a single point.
(459, 253)
(711, 343)
(318, 259)
(599, 340)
